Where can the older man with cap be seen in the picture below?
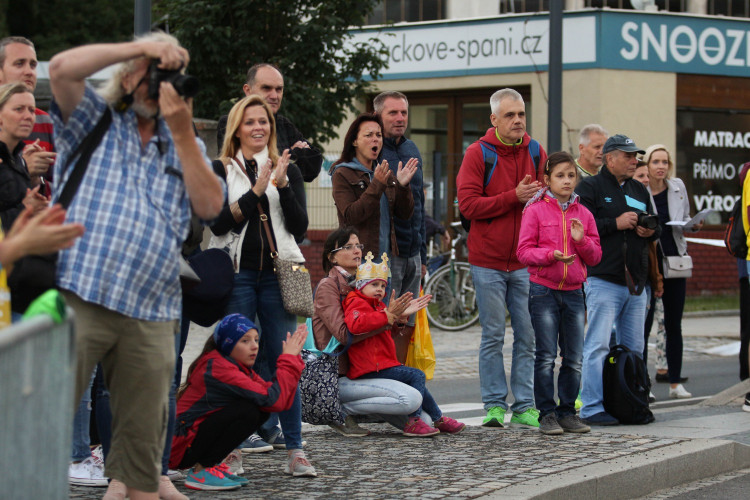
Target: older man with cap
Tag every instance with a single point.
(614, 290)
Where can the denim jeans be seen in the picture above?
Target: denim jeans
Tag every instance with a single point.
(257, 293)
(389, 399)
(414, 378)
(557, 316)
(496, 289)
(81, 423)
(608, 303)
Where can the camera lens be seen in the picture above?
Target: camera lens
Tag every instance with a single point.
(186, 85)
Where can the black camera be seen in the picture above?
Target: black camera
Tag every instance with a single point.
(648, 221)
(185, 85)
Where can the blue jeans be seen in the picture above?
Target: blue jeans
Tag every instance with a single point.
(496, 289)
(608, 304)
(557, 316)
(389, 399)
(257, 293)
(414, 378)
(81, 422)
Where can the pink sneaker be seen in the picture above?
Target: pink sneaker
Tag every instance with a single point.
(417, 428)
(449, 425)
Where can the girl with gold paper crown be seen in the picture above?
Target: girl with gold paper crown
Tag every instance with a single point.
(375, 356)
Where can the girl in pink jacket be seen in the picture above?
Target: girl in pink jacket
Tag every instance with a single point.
(558, 240)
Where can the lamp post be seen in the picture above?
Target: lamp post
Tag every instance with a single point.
(142, 17)
(554, 108)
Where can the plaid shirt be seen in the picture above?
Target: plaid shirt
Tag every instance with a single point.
(136, 211)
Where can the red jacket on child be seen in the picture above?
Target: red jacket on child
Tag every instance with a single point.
(546, 228)
(362, 315)
(218, 380)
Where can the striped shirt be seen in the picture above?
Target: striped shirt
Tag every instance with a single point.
(134, 206)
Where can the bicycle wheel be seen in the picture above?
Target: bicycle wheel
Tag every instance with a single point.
(454, 303)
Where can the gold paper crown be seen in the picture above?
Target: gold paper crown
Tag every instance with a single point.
(373, 271)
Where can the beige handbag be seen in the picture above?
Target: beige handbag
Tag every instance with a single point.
(294, 278)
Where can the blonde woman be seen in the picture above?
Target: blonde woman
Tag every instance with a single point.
(258, 178)
(670, 199)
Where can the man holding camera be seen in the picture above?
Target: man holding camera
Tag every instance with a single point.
(614, 289)
(122, 276)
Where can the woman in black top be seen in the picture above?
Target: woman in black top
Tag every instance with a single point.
(260, 182)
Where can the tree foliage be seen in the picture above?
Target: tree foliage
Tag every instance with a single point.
(305, 38)
(56, 25)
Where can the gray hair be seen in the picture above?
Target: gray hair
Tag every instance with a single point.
(379, 102)
(584, 136)
(503, 94)
(9, 40)
(112, 90)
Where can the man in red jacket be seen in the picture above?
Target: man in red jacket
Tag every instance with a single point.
(499, 174)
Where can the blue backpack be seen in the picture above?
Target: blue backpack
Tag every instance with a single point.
(490, 162)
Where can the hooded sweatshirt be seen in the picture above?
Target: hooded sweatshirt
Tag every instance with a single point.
(494, 210)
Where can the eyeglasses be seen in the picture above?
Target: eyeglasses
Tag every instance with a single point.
(349, 247)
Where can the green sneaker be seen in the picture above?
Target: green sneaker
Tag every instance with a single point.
(495, 417)
(529, 418)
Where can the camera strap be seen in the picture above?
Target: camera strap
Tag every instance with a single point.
(629, 281)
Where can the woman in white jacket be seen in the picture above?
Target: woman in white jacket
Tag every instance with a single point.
(261, 184)
(670, 200)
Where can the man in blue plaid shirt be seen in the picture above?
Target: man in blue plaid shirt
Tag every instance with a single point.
(122, 276)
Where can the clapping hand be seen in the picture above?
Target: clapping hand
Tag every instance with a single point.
(405, 173)
(294, 342)
(526, 189)
(417, 305)
(37, 159)
(567, 259)
(397, 306)
(35, 201)
(576, 230)
(279, 174)
(382, 172)
(264, 175)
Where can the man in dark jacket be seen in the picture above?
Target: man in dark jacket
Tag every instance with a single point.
(267, 81)
(614, 289)
(409, 265)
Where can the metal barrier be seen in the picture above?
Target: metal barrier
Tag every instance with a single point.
(37, 361)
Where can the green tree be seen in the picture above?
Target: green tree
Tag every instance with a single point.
(56, 25)
(305, 38)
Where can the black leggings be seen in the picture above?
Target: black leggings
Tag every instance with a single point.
(674, 303)
(744, 328)
(222, 432)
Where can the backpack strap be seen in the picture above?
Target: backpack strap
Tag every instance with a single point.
(534, 148)
(490, 160)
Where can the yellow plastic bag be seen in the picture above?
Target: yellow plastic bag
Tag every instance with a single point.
(421, 353)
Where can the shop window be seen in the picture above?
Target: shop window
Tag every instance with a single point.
(397, 11)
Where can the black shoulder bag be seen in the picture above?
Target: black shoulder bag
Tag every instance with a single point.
(35, 274)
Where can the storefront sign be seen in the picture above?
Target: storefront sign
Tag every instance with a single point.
(599, 39)
(711, 149)
(502, 45)
(675, 43)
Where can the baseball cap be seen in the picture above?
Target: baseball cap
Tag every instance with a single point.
(623, 143)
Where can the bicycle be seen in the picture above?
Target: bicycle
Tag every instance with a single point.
(454, 299)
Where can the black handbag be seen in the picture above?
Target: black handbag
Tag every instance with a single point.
(35, 274)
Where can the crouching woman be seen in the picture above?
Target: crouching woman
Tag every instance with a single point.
(223, 400)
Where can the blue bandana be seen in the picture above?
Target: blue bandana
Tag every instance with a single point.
(229, 330)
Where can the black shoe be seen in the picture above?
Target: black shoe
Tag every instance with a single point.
(664, 377)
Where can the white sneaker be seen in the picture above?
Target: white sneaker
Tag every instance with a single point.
(298, 465)
(746, 406)
(234, 462)
(86, 473)
(679, 392)
(174, 475)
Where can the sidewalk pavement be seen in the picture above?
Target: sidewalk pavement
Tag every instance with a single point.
(685, 444)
